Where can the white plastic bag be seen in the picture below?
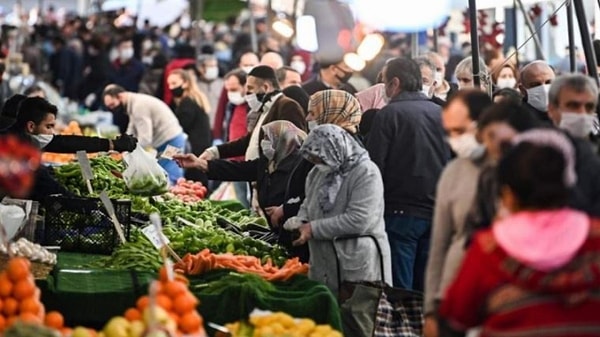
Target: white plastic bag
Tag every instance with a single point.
(143, 174)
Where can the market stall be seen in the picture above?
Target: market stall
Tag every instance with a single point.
(112, 250)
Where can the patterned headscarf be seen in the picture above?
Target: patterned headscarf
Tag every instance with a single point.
(285, 138)
(336, 148)
(336, 107)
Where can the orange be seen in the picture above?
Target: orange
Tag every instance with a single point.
(142, 303)
(174, 317)
(164, 302)
(6, 286)
(18, 269)
(184, 303)
(133, 314)
(2, 323)
(174, 288)
(65, 331)
(30, 305)
(190, 322)
(24, 288)
(10, 320)
(55, 320)
(28, 317)
(11, 307)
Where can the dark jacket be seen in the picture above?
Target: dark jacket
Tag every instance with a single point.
(283, 108)
(542, 116)
(128, 75)
(315, 85)
(586, 195)
(196, 125)
(407, 142)
(271, 187)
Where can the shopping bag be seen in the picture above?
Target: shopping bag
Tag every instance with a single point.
(143, 175)
(375, 310)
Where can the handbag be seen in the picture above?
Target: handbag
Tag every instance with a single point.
(374, 309)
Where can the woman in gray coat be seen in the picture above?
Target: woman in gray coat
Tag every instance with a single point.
(344, 196)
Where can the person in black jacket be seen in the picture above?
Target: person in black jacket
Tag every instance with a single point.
(408, 143)
(191, 107)
(276, 172)
(36, 119)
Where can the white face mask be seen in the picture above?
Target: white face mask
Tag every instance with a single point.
(42, 140)
(211, 73)
(247, 69)
(126, 54)
(312, 125)
(235, 97)
(147, 60)
(506, 83)
(426, 90)
(439, 78)
(323, 168)
(267, 149)
(537, 97)
(253, 102)
(463, 145)
(299, 66)
(577, 124)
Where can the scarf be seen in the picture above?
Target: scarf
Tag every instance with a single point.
(337, 149)
(253, 116)
(285, 139)
(336, 107)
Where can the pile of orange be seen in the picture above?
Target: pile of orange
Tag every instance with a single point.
(20, 298)
(176, 299)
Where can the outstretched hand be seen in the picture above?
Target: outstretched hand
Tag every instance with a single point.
(189, 160)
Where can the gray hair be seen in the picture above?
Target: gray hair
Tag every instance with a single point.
(466, 67)
(423, 61)
(578, 82)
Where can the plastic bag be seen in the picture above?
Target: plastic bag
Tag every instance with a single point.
(143, 174)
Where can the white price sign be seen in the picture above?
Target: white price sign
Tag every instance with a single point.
(158, 239)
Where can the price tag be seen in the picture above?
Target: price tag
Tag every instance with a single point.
(170, 151)
(158, 239)
(86, 169)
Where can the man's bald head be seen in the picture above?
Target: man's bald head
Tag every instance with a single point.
(272, 60)
(535, 74)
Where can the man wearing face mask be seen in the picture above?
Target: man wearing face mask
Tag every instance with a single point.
(209, 82)
(443, 89)
(151, 121)
(428, 78)
(36, 119)
(459, 118)
(331, 76)
(267, 104)
(127, 70)
(407, 142)
(535, 81)
(573, 99)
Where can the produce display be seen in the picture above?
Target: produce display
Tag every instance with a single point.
(268, 324)
(205, 261)
(139, 253)
(187, 190)
(175, 310)
(31, 251)
(106, 177)
(20, 298)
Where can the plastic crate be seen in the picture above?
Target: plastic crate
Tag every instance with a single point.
(83, 225)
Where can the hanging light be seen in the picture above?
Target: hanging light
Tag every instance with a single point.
(370, 46)
(306, 36)
(354, 61)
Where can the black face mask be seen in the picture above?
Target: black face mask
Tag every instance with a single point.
(261, 97)
(345, 77)
(177, 92)
(119, 109)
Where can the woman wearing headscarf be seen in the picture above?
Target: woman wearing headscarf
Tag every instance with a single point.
(272, 170)
(335, 107)
(344, 196)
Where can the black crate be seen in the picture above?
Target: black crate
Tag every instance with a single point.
(83, 225)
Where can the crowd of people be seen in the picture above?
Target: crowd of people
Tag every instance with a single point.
(487, 203)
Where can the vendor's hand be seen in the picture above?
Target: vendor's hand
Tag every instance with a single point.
(124, 143)
(207, 155)
(305, 234)
(189, 160)
(276, 214)
(430, 328)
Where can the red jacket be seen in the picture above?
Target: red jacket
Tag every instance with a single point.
(507, 298)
